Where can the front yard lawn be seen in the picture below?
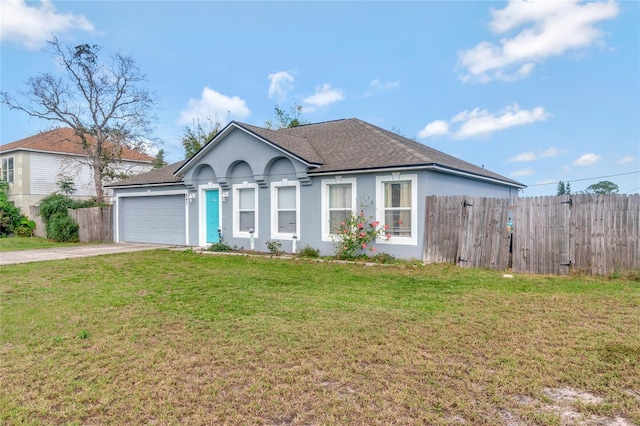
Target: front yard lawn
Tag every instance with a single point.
(19, 243)
(167, 337)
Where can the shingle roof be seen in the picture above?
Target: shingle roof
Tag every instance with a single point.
(156, 176)
(352, 144)
(343, 146)
(63, 141)
(297, 145)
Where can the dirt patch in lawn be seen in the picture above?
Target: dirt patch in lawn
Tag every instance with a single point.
(560, 406)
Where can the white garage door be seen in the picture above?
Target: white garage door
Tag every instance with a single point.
(156, 219)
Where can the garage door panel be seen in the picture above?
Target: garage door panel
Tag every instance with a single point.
(154, 219)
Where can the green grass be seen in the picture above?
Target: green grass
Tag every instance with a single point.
(180, 338)
(19, 243)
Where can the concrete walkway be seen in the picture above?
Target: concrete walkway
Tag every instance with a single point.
(58, 253)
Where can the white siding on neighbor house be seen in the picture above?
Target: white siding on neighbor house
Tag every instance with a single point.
(47, 169)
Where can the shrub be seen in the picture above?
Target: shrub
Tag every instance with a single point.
(84, 204)
(384, 258)
(10, 215)
(55, 203)
(7, 219)
(220, 246)
(25, 227)
(357, 234)
(62, 228)
(308, 251)
(53, 209)
(274, 247)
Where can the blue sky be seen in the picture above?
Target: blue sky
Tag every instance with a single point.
(538, 91)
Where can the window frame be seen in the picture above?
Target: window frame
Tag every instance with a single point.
(8, 173)
(275, 186)
(237, 233)
(381, 208)
(325, 216)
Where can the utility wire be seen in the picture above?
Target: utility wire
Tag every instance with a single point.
(580, 180)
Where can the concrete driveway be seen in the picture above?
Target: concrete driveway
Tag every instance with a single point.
(26, 256)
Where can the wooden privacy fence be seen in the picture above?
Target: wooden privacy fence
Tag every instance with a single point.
(596, 234)
(95, 223)
(34, 215)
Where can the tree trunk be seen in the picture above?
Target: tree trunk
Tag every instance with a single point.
(97, 181)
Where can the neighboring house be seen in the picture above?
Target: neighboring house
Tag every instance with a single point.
(296, 183)
(33, 166)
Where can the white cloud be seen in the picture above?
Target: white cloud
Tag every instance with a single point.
(532, 156)
(587, 159)
(551, 152)
(377, 86)
(324, 96)
(482, 123)
(281, 83)
(214, 105)
(548, 28)
(523, 157)
(627, 159)
(523, 172)
(32, 26)
(435, 128)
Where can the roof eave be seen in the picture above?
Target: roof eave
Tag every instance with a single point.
(431, 166)
(138, 185)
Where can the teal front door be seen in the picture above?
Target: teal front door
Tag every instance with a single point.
(213, 215)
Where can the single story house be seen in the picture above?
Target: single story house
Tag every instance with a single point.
(33, 166)
(295, 185)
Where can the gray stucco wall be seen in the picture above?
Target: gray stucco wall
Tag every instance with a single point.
(240, 158)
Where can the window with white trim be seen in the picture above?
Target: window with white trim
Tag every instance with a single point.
(245, 210)
(285, 210)
(397, 203)
(7, 169)
(338, 204)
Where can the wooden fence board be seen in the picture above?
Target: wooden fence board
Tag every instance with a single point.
(595, 234)
(95, 223)
(443, 221)
(34, 215)
(484, 239)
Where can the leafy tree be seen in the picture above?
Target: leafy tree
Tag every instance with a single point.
(284, 120)
(159, 161)
(197, 136)
(603, 187)
(564, 189)
(95, 99)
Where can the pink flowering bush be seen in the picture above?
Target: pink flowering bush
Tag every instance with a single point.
(356, 235)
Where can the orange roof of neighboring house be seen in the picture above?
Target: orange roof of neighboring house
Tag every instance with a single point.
(64, 141)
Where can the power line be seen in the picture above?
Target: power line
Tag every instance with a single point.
(580, 180)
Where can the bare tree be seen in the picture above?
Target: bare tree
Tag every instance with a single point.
(101, 102)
